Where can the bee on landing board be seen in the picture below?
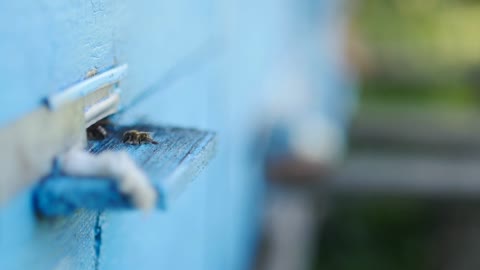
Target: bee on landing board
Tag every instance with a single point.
(92, 72)
(138, 137)
(98, 131)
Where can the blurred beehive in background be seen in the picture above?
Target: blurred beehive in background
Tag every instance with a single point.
(416, 138)
(419, 73)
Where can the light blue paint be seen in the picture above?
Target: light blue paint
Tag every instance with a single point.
(174, 239)
(191, 63)
(155, 37)
(46, 46)
(29, 243)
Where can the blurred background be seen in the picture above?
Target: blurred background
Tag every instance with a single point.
(348, 132)
(414, 141)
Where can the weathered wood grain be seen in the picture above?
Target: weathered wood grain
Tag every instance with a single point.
(171, 164)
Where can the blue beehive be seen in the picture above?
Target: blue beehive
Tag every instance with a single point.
(191, 70)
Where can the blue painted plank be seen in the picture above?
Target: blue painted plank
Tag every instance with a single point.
(27, 242)
(174, 239)
(181, 237)
(208, 227)
(180, 154)
(51, 46)
(55, 43)
(162, 40)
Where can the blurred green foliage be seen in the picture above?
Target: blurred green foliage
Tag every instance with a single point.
(419, 52)
(377, 234)
(459, 95)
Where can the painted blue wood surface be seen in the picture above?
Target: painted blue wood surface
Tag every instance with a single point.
(171, 165)
(48, 46)
(162, 41)
(191, 63)
(27, 242)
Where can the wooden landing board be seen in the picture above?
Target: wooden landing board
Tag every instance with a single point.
(180, 155)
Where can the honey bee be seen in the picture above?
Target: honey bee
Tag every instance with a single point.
(96, 132)
(137, 137)
(92, 72)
